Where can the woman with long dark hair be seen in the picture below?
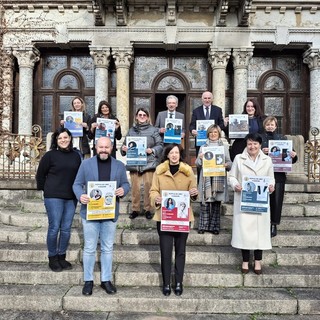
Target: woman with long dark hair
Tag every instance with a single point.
(55, 176)
(105, 111)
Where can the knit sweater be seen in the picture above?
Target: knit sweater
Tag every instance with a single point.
(56, 173)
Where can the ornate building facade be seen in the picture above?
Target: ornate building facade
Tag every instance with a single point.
(135, 52)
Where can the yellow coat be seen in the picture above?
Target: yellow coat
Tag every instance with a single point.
(184, 180)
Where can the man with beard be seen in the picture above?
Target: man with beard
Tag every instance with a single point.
(101, 167)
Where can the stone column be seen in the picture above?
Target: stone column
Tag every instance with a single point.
(27, 57)
(218, 60)
(241, 58)
(101, 58)
(312, 58)
(123, 58)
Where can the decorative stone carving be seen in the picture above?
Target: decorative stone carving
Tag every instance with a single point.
(222, 13)
(217, 58)
(244, 12)
(121, 13)
(101, 56)
(27, 56)
(99, 12)
(241, 57)
(312, 58)
(123, 57)
(171, 13)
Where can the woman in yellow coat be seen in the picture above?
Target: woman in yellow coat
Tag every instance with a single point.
(172, 174)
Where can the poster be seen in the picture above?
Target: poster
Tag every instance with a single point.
(175, 211)
(238, 125)
(255, 194)
(279, 151)
(173, 131)
(136, 153)
(202, 126)
(102, 203)
(73, 122)
(213, 161)
(105, 128)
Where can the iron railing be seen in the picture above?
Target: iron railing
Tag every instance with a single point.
(20, 154)
(312, 150)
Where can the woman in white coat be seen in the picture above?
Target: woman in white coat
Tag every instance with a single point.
(250, 231)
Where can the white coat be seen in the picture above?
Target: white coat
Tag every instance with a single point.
(250, 231)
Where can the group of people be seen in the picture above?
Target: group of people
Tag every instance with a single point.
(66, 169)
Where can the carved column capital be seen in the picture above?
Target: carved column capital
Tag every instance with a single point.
(218, 59)
(242, 57)
(123, 57)
(101, 56)
(27, 57)
(312, 58)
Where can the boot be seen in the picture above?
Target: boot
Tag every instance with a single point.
(273, 230)
(54, 264)
(63, 262)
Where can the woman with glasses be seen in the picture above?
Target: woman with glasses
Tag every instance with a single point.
(142, 174)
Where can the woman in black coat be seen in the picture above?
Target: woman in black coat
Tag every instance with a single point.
(105, 111)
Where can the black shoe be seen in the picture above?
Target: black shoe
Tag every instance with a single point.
(215, 231)
(166, 290)
(87, 288)
(54, 264)
(273, 230)
(148, 215)
(108, 287)
(133, 214)
(178, 289)
(66, 265)
(201, 231)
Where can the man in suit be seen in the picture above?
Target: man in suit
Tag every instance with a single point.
(207, 111)
(171, 113)
(101, 167)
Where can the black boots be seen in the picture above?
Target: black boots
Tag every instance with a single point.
(63, 262)
(273, 230)
(58, 263)
(54, 264)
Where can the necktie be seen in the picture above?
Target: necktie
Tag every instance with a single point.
(170, 115)
(207, 113)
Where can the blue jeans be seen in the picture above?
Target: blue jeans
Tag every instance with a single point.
(60, 216)
(92, 230)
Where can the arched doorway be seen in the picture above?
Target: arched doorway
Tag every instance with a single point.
(172, 83)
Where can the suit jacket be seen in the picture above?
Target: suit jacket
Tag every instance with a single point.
(215, 114)
(88, 171)
(161, 119)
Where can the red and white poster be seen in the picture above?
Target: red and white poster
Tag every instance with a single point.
(175, 211)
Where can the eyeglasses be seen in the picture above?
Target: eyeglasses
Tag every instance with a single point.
(142, 115)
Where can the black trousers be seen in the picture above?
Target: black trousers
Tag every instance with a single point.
(246, 255)
(167, 240)
(276, 202)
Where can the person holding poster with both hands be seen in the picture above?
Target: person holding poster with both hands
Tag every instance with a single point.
(172, 174)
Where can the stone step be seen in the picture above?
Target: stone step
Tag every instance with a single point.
(141, 274)
(100, 315)
(38, 220)
(210, 255)
(150, 299)
(285, 238)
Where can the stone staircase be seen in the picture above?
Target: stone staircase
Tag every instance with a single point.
(214, 285)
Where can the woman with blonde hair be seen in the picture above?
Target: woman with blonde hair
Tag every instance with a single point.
(212, 190)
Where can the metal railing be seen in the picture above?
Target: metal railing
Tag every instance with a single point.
(20, 154)
(312, 150)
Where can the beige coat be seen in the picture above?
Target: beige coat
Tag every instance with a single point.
(249, 230)
(183, 180)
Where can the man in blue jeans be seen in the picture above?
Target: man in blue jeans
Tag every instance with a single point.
(101, 167)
